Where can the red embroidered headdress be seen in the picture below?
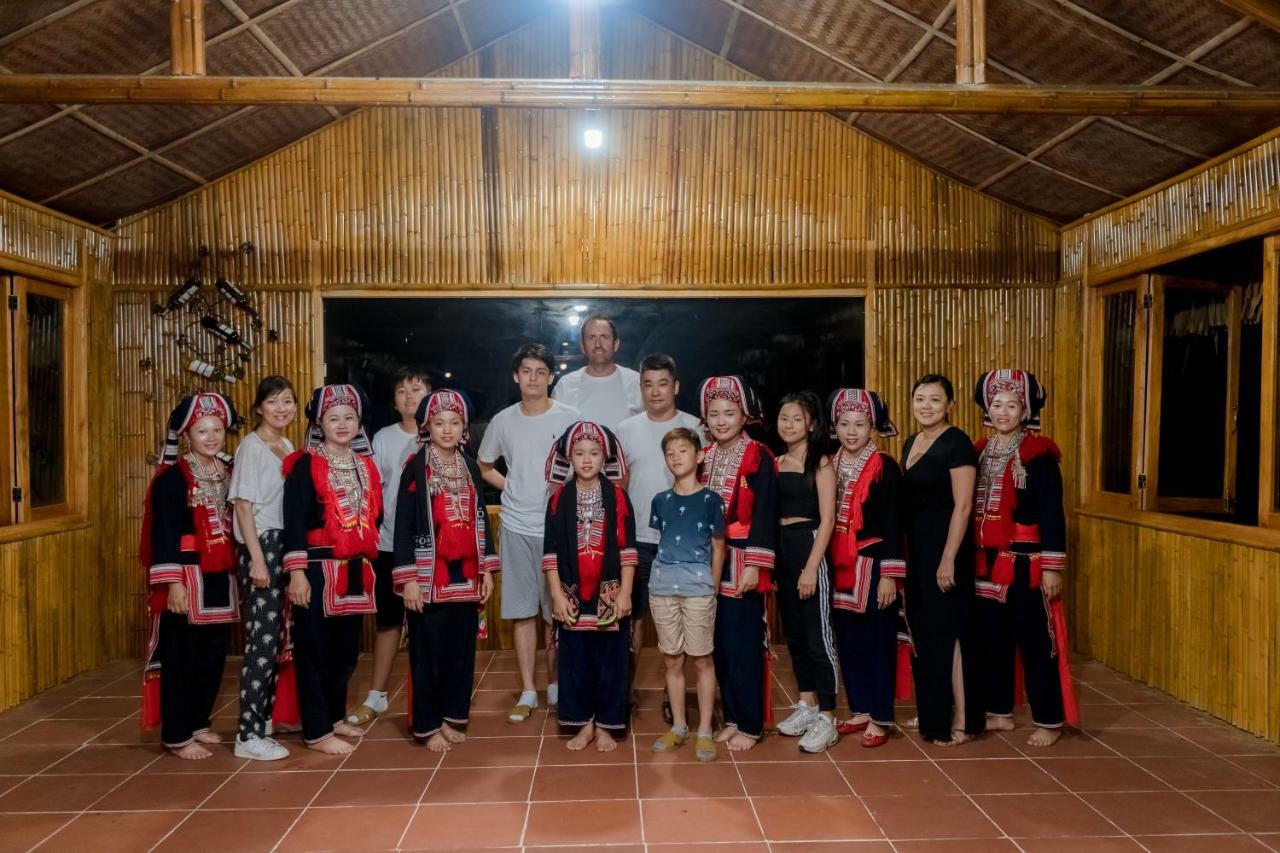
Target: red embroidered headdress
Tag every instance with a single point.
(444, 400)
(736, 390)
(560, 465)
(844, 400)
(1020, 382)
(189, 410)
(325, 398)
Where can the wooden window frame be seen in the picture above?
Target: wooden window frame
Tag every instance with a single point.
(1269, 443)
(19, 517)
(1093, 413)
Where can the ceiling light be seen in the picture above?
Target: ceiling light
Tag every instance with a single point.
(593, 137)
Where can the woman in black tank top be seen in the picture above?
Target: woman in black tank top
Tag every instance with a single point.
(806, 507)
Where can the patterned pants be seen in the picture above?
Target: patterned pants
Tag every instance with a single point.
(263, 627)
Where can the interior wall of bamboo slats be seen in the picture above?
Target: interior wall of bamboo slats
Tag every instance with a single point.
(1208, 203)
(1191, 616)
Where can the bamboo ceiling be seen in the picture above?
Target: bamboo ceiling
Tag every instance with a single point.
(105, 162)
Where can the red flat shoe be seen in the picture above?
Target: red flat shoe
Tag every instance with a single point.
(850, 728)
(871, 741)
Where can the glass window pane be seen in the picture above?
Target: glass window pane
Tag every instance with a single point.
(46, 400)
(1119, 312)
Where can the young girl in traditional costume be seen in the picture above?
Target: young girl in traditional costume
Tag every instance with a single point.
(866, 550)
(188, 550)
(332, 507)
(589, 555)
(743, 472)
(1020, 531)
(444, 566)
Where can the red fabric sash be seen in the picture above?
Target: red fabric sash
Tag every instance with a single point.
(349, 537)
(844, 540)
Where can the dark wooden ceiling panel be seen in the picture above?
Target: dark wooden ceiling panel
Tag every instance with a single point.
(1039, 190)
(925, 10)
(17, 116)
(242, 55)
(487, 20)
(416, 53)
(1253, 56)
(765, 52)
(1203, 137)
(1176, 25)
(856, 30)
(703, 22)
(15, 15)
(136, 188)
(315, 33)
(107, 37)
(933, 140)
(156, 126)
(56, 156)
(1111, 157)
(244, 139)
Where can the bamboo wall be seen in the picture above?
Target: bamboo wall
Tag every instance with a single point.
(418, 200)
(56, 588)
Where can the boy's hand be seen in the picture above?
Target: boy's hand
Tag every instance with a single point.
(749, 579)
(412, 594)
(486, 587)
(808, 582)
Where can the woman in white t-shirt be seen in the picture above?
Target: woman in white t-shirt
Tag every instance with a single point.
(257, 492)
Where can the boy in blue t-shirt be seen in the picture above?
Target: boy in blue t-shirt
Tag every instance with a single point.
(683, 583)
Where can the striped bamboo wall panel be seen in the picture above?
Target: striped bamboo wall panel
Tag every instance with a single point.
(39, 236)
(1193, 617)
(1207, 202)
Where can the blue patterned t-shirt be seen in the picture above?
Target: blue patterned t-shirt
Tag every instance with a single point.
(686, 524)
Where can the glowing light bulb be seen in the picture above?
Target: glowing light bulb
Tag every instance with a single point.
(448, 375)
(580, 308)
(564, 366)
(574, 319)
(593, 137)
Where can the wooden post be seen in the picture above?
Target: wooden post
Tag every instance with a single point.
(186, 38)
(971, 41)
(978, 33)
(584, 39)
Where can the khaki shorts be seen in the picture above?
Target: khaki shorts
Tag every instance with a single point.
(686, 624)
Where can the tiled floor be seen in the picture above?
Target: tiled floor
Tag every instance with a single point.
(1148, 773)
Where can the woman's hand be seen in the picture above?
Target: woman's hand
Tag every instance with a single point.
(623, 605)
(808, 582)
(1051, 584)
(259, 576)
(886, 593)
(412, 594)
(947, 575)
(749, 579)
(486, 587)
(299, 589)
(178, 602)
(560, 608)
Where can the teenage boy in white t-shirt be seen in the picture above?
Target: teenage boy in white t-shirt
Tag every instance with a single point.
(641, 439)
(392, 447)
(523, 434)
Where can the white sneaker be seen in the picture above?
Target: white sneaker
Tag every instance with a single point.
(821, 735)
(260, 749)
(799, 721)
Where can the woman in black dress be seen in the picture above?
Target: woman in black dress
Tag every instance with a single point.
(940, 466)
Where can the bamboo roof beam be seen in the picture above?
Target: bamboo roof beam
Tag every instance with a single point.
(584, 40)
(971, 41)
(639, 94)
(186, 37)
(1265, 12)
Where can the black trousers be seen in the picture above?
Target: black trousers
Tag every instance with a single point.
(1021, 626)
(939, 621)
(191, 662)
(442, 664)
(325, 651)
(868, 644)
(263, 634)
(806, 622)
(593, 676)
(739, 658)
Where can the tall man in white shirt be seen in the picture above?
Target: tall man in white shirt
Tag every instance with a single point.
(641, 439)
(602, 391)
(523, 435)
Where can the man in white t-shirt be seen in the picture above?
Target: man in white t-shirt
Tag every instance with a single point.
(641, 439)
(523, 434)
(392, 447)
(602, 391)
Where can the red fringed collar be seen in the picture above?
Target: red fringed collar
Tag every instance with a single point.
(1033, 446)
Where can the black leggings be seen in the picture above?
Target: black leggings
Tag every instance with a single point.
(807, 621)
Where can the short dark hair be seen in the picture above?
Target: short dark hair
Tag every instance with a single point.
(268, 387)
(659, 361)
(935, 379)
(597, 318)
(410, 372)
(681, 434)
(538, 352)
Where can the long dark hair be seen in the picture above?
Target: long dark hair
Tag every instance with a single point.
(269, 387)
(816, 438)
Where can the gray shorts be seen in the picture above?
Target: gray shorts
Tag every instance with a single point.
(524, 586)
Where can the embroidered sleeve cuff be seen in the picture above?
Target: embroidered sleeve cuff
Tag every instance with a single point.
(295, 561)
(549, 562)
(491, 564)
(761, 557)
(401, 575)
(628, 557)
(893, 568)
(162, 573)
(1053, 561)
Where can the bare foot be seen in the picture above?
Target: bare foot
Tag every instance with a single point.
(332, 746)
(740, 742)
(584, 736)
(191, 752)
(859, 719)
(875, 729)
(451, 734)
(347, 730)
(999, 724)
(958, 736)
(438, 742)
(605, 741)
(725, 734)
(208, 737)
(1044, 737)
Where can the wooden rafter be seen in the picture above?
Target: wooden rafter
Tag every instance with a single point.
(1265, 12)
(638, 94)
(971, 41)
(584, 40)
(186, 37)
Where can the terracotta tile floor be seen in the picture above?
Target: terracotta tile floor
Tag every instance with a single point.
(1147, 773)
